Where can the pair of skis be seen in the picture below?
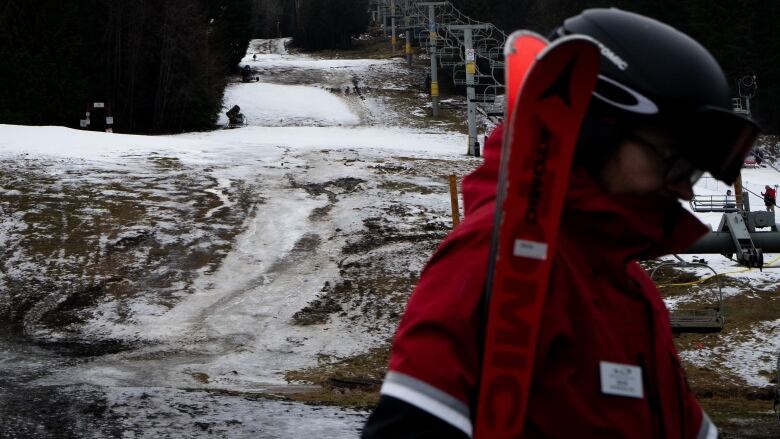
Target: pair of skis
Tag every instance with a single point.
(548, 90)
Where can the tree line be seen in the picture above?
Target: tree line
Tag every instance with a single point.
(742, 34)
(160, 65)
(313, 24)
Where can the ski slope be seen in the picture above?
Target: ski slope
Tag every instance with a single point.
(310, 169)
(282, 210)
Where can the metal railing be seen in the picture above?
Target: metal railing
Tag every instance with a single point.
(714, 203)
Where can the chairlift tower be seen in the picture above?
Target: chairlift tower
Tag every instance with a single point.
(432, 37)
(443, 29)
(471, 70)
(382, 8)
(394, 35)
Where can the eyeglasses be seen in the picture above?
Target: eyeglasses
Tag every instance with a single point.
(677, 168)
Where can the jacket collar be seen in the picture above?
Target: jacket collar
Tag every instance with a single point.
(617, 228)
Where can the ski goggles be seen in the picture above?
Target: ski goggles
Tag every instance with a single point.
(711, 139)
(677, 168)
(720, 140)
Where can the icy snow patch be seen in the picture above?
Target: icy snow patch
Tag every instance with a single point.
(274, 104)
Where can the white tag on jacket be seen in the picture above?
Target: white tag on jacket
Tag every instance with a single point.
(621, 380)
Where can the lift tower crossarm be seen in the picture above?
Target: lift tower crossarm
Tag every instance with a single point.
(734, 237)
(461, 27)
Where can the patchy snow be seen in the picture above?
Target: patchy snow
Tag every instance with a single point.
(748, 354)
(197, 413)
(315, 166)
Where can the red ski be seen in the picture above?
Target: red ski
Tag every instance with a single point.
(522, 48)
(540, 139)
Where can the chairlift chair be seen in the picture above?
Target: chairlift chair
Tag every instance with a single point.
(696, 320)
(714, 203)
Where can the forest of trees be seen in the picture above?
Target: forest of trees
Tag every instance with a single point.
(329, 24)
(160, 65)
(742, 34)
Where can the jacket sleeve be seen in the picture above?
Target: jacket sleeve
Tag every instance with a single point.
(433, 368)
(396, 419)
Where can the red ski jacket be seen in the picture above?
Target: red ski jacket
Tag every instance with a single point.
(602, 311)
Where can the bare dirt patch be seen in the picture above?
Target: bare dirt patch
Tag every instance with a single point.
(86, 236)
(349, 382)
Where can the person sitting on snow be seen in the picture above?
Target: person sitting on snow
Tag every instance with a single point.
(660, 116)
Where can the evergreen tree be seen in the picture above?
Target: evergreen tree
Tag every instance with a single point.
(329, 24)
(160, 65)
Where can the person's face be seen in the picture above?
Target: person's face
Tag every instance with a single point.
(644, 165)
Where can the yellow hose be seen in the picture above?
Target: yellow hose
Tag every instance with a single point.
(743, 270)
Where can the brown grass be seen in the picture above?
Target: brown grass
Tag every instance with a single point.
(349, 382)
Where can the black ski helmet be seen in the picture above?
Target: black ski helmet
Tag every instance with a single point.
(653, 74)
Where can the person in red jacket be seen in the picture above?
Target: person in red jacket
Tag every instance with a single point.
(769, 195)
(646, 138)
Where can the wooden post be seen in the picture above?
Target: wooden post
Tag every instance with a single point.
(454, 201)
(738, 194)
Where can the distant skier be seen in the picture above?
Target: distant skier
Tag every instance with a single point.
(605, 363)
(770, 198)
